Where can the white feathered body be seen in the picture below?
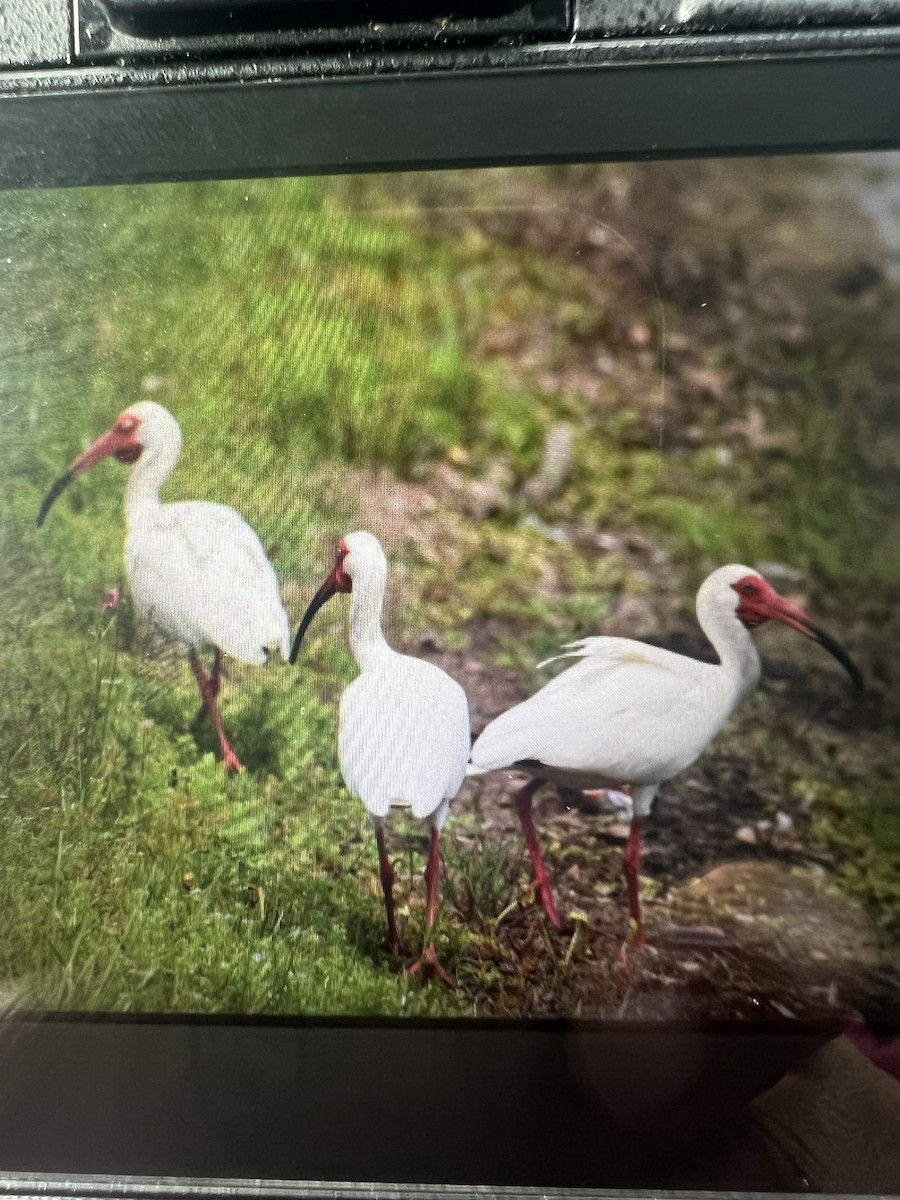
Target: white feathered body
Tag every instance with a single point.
(626, 713)
(199, 572)
(404, 736)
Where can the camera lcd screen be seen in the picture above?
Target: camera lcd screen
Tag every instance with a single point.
(465, 423)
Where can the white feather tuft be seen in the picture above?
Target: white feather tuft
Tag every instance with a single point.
(575, 650)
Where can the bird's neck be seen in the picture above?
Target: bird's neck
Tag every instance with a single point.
(148, 475)
(739, 658)
(367, 640)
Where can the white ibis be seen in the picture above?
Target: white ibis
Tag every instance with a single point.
(197, 570)
(404, 737)
(629, 714)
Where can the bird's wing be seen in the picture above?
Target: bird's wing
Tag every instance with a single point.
(207, 579)
(404, 737)
(625, 712)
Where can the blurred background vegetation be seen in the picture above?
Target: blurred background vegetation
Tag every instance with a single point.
(559, 396)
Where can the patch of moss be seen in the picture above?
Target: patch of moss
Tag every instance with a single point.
(863, 833)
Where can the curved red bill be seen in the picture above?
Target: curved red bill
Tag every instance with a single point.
(123, 445)
(792, 615)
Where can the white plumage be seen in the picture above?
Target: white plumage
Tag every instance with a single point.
(404, 724)
(200, 572)
(197, 570)
(404, 738)
(628, 714)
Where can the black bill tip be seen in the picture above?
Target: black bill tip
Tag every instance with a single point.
(55, 492)
(834, 648)
(325, 592)
(298, 639)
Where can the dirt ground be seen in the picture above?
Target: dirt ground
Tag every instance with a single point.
(736, 930)
(744, 921)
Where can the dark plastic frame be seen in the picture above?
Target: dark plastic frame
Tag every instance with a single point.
(629, 98)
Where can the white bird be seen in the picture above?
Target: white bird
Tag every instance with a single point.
(629, 714)
(403, 738)
(197, 570)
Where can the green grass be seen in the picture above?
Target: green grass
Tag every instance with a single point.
(863, 833)
(135, 876)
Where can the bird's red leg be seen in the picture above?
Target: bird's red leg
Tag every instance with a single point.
(215, 680)
(541, 876)
(386, 868)
(428, 962)
(215, 685)
(209, 692)
(633, 854)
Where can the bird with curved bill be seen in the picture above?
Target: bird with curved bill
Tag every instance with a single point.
(403, 738)
(196, 569)
(630, 714)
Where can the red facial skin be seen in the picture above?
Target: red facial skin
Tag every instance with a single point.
(121, 443)
(337, 581)
(759, 602)
(339, 577)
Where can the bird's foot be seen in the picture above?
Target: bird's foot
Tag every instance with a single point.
(429, 967)
(112, 601)
(232, 762)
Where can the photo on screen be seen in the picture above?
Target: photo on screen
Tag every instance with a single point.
(353, 663)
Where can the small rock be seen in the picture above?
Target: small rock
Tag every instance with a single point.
(554, 532)
(783, 822)
(639, 334)
(609, 543)
(604, 364)
(555, 468)
(747, 835)
(799, 918)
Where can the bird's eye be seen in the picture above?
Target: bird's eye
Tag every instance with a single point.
(749, 589)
